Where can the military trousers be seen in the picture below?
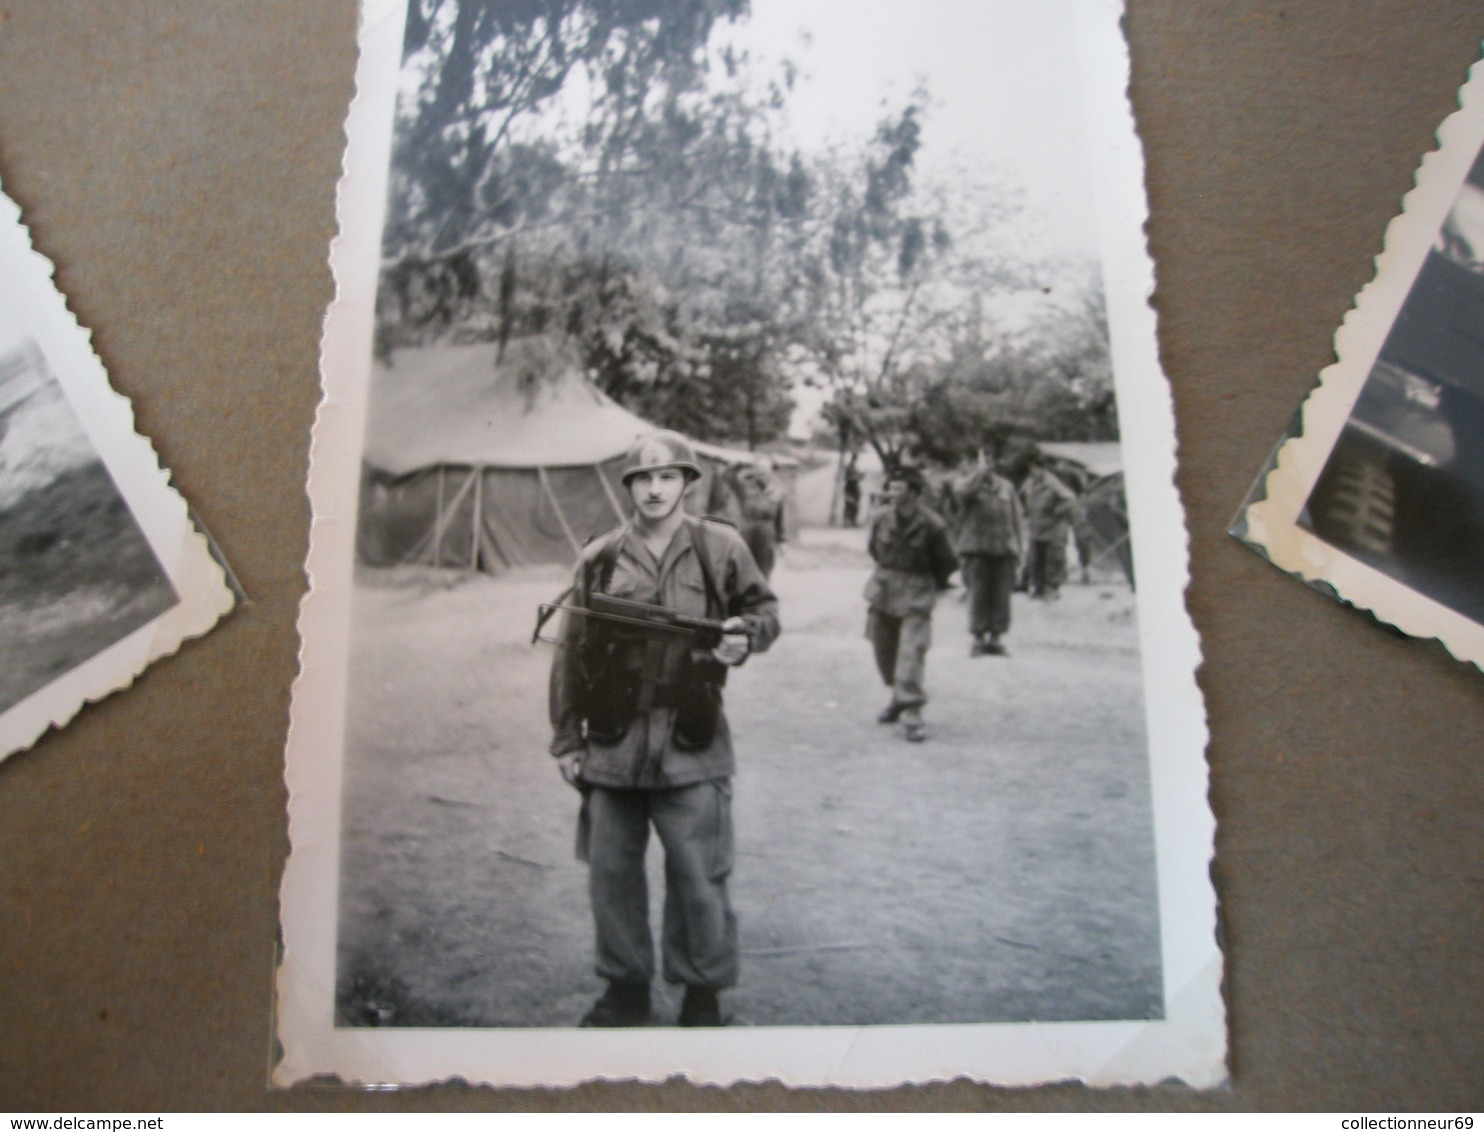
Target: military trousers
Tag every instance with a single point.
(698, 939)
(1047, 566)
(762, 540)
(901, 647)
(990, 580)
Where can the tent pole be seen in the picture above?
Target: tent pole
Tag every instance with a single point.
(438, 524)
(557, 508)
(1112, 548)
(478, 517)
(446, 507)
(608, 491)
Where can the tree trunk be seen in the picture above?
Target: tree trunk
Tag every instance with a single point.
(837, 492)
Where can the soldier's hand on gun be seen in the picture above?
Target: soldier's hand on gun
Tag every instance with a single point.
(735, 643)
(570, 765)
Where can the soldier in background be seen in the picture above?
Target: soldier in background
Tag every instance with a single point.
(649, 744)
(852, 508)
(760, 500)
(1050, 509)
(991, 544)
(914, 562)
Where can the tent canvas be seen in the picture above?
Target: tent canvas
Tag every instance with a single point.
(1102, 532)
(480, 459)
(1099, 457)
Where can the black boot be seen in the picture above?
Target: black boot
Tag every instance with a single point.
(700, 1008)
(622, 1005)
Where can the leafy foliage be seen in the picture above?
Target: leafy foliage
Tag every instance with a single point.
(1054, 382)
(601, 171)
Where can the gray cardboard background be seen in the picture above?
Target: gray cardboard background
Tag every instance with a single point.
(177, 160)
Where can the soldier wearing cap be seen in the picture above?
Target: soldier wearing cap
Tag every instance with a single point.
(914, 561)
(666, 758)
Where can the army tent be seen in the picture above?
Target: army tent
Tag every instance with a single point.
(479, 459)
(1098, 458)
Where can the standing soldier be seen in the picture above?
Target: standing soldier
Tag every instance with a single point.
(914, 561)
(1050, 508)
(760, 499)
(638, 728)
(852, 493)
(991, 545)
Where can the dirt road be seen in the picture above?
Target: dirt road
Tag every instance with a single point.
(1001, 871)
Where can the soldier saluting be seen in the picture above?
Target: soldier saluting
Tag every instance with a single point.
(638, 727)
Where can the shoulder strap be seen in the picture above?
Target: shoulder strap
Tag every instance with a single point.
(600, 567)
(708, 576)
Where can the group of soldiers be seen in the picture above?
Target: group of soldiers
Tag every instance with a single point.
(661, 608)
(994, 534)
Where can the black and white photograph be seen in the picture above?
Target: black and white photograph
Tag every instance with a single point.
(99, 570)
(80, 574)
(1396, 510)
(746, 633)
(1404, 486)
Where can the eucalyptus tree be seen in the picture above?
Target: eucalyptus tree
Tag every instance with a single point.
(597, 170)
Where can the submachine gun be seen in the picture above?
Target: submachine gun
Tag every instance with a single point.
(637, 615)
(635, 656)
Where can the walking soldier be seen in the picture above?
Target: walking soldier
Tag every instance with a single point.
(914, 561)
(638, 727)
(991, 545)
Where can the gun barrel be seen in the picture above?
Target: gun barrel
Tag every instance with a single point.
(655, 616)
(661, 621)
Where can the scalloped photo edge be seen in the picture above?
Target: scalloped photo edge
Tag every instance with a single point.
(105, 571)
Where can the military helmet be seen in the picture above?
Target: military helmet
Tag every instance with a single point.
(663, 449)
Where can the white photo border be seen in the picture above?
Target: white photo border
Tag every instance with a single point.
(32, 301)
(1188, 1044)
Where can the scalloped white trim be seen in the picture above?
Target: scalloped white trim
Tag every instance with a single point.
(31, 305)
(1272, 523)
(1189, 1044)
